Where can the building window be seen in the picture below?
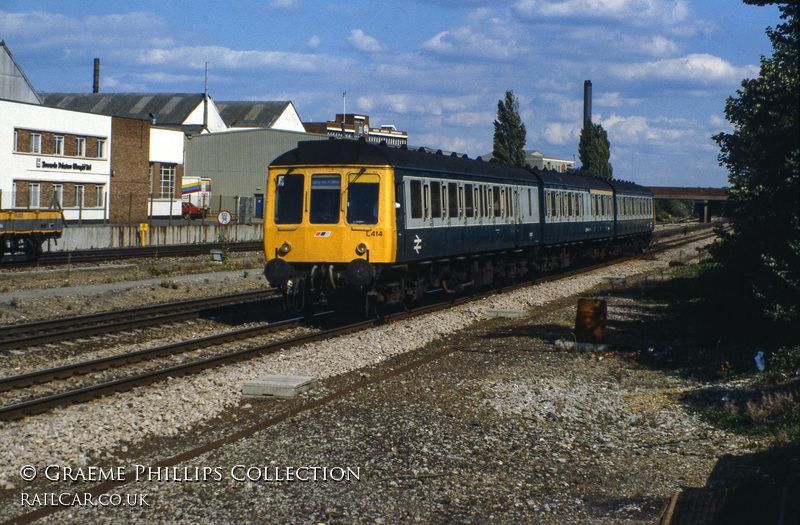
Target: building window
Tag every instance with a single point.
(58, 196)
(58, 145)
(167, 181)
(36, 143)
(101, 146)
(80, 149)
(16, 147)
(79, 196)
(99, 202)
(33, 195)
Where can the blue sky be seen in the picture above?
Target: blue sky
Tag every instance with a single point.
(661, 69)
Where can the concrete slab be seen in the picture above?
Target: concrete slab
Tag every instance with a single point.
(278, 386)
(507, 314)
(615, 280)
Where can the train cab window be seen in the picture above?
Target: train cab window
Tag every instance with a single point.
(469, 205)
(289, 199)
(436, 199)
(362, 198)
(415, 193)
(325, 199)
(452, 199)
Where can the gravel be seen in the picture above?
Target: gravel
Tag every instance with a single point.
(506, 429)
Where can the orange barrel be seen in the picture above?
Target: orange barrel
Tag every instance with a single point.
(590, 323)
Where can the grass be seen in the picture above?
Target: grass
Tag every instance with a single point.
(725, 335)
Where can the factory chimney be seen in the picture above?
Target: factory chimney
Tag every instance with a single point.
(587, 101)
(96, 86)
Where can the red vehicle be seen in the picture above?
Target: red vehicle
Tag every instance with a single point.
(189, 210)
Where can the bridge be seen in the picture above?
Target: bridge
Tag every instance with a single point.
(706, 199)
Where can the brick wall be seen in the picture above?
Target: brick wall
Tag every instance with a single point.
(130, 170)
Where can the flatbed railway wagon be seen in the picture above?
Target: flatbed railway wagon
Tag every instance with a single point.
(26, 231)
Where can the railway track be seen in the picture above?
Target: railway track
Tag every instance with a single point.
(95, 255)
(290, 411)
(34, 406)
(41, 332)
(83, 394)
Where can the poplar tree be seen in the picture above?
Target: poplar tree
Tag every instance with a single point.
(594, 151)
(509, 132)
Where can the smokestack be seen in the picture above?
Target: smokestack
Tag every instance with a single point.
(96, 87)
(587, 101)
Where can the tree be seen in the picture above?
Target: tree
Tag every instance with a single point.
(761, 257)
(509, 132)
(594, 151)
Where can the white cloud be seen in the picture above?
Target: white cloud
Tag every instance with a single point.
(561, 133)
(665, 11)
(703, 68)
(40, 30)
(314, 42)
(470, 119)
(284, 5)
(363, 42)
(481, 35)
(222, 57)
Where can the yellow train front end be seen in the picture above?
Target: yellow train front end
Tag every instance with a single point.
(327, 227)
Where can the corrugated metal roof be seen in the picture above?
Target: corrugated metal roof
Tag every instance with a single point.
(168, 108)
(14, 85)
(252, 114)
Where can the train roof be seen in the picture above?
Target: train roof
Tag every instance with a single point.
(630, 188)
(348, 152)
(356, 152)
(555, 178)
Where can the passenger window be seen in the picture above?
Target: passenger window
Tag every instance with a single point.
(415, 188)
(496, 200)
(363, 193)
(452, 199)
(289, 199)
(436, 200)
(530, 204)
(425, 200)
(469, 208)
(325, 199)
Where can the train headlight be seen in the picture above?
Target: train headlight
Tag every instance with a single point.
(361, 249)
(285, 248)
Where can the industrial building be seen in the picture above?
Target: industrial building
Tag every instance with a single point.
(354, 126)
(237, 162)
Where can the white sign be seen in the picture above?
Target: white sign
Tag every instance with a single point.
(224, 217)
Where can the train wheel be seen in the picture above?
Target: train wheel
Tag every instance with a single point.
(33, 249)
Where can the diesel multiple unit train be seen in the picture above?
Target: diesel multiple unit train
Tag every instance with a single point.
(347, 219)
(25, 231)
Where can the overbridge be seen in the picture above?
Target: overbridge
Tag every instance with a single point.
(708, 200)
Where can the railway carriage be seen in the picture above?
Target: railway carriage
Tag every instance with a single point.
(633, 209)
(26, 231)
(349, 217)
